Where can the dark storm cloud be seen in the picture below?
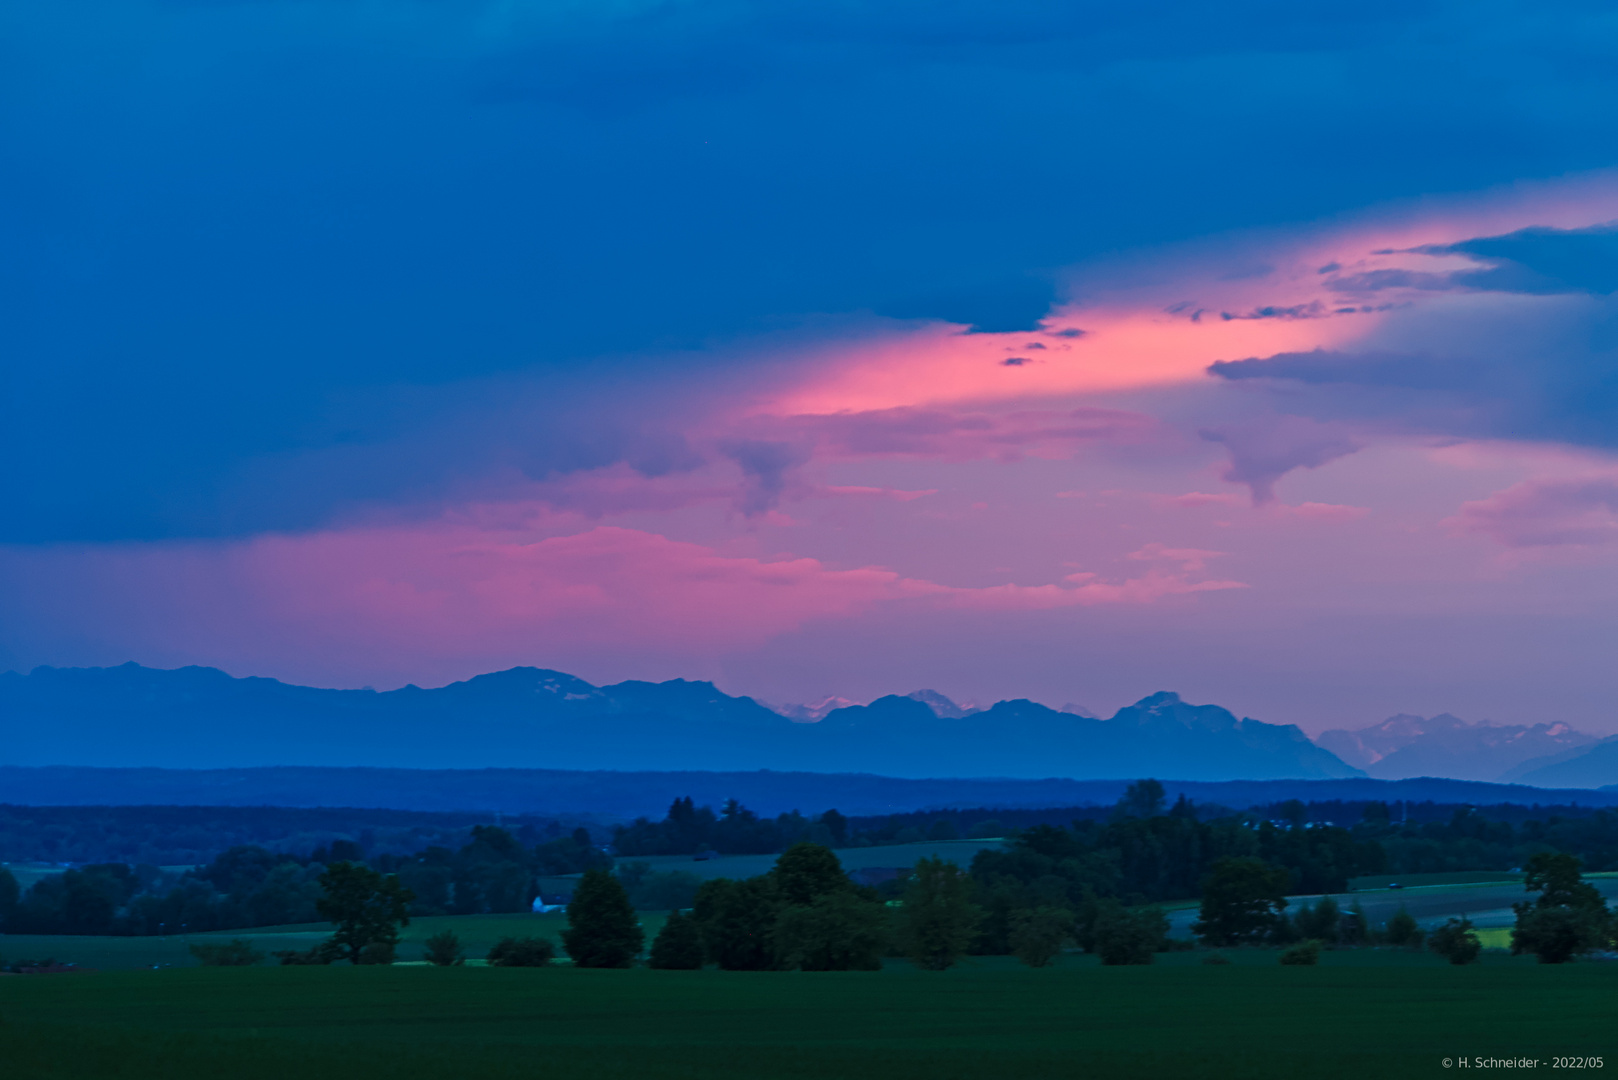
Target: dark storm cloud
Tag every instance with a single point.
(1548, 374)
(1533, 261)
(1543, 260)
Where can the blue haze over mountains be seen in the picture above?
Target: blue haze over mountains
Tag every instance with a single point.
(199, 718)
(525, 717)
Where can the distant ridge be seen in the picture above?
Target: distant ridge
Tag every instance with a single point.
(627, 794)
(199, 717)
(1444, 745)
(1588, 766)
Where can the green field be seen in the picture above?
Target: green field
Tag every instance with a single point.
(477, 934)
(1358, 1014)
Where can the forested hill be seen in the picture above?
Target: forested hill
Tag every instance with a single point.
(203, 718)
(631, 794)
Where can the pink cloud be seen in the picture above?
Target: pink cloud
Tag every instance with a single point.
(1197, 498)
(1188, 558)
(954, 435)
(857, 492)
(451, 597)
(1576, 512)
(1314, 511)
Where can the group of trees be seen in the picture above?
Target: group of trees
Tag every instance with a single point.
(493, 872)
(251, 886)
(734, 830)
(806, 914)
(1244, 901)
(1475, 839)
(1144, 854)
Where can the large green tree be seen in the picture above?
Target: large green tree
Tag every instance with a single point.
(1242, 901)
(806, 872)
(678, 946)
(1038, 934)
(837, 931)
(367, 907)
(602, 931)
(9, 895)
(737, 919)
(825, 923)
(1568, 918)
(938, 920)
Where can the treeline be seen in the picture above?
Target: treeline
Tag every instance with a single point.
(1475, 839)
(1144, 854)
(191, 835)
(1418, 837)
(735, 830)
(252, 886)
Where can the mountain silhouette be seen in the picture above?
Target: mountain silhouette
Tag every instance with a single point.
(1405, 746)
(1583, 767)
(199, 717)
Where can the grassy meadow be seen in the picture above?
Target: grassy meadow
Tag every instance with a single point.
(1358, 1014)
(477, 933)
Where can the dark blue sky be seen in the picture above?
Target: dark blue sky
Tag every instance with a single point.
(230, 228)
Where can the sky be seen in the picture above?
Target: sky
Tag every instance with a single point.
(1264, 352)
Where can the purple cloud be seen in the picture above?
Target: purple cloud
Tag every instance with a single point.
(1546, 513)
(1260, 454)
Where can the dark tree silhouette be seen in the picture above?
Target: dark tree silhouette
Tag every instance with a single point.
(367, 908)
(1242, 900)
(602, 931)
(678, 946)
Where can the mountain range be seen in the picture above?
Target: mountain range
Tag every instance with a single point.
(532, 718)
(199, 717)
(1543, 755)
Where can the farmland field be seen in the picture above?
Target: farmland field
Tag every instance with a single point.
(1358, 1014)
(477, 934)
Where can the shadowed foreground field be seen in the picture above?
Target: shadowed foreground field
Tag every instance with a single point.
(1249, 1019)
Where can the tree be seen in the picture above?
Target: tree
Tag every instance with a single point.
(806, 872)
(367, 907)
(678, 946)
(1402, 931)
(1558, 878)
(1142, 799)
(737, 919)
(237, 952)
(938, 920)
(528, 952)
(1556, 934)
(1038, 934)
(1303, 954)
(837, 931)
(1121, 935)
(1321, 922)
(444, 950)
(602, 931)
(9, 894)
(1242, 900)
(837, 825)
(1569, 917)
(492, 873)
(1353, 928)
(378, 952)
(1455, 941)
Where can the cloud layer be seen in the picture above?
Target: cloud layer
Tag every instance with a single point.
(1101, 345)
